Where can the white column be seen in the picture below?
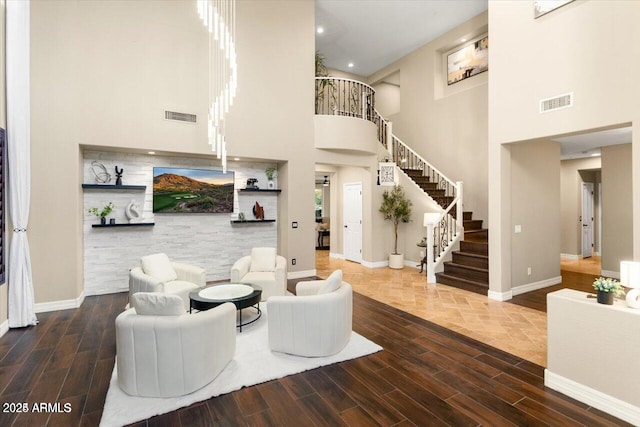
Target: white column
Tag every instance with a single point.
(459, 208)
(390, 140)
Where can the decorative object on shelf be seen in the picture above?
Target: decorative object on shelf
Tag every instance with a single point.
(103, 213)
(258, 211)
(132, 212)
(112, 221)
(100, 172)
(251, 184)
(607, 288)
(219, 17)
(119, 176)
(325, 183)
(271, 173)
(241, 216)
(387, 173)
(396, 208)
(630, 278)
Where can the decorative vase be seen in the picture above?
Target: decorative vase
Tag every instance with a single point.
(103, 220)
(112, 221)
(605, 297)
(396, 261)
(271, 185)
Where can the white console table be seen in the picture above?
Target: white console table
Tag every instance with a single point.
(593, 352)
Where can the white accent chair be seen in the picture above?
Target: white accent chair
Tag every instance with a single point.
(263, 268)
(158, 274)
(163, 352)
(317, 322)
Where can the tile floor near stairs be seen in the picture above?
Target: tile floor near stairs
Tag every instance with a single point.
(519, 330)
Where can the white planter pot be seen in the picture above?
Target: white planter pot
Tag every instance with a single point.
(396, 261)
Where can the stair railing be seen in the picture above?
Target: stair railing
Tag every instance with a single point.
(449, 228)
(347, 97)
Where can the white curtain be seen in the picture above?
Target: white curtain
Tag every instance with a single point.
(21, 302)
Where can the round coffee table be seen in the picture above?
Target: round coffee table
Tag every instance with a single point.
(242, 295)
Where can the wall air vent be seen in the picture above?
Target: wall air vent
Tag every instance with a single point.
(180, 117)
(556, 103)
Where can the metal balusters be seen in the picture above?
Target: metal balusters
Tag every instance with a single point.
(344, 97)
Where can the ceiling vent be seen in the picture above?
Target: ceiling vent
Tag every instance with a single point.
(180, 117)
(556, 103)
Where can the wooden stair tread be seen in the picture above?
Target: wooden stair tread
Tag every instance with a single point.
(466, 284)
(467, 267)
(471, 254)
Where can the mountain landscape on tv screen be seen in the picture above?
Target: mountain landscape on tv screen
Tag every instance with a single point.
(174, 193)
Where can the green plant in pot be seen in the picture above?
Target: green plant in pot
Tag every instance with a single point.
(271, 173)
(102, 213)
(607, 289)
(396, 207)
(322, 85)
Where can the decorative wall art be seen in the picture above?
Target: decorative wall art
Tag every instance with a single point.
(468, 61)
(541, 7)
(387, 171)
(192, 191)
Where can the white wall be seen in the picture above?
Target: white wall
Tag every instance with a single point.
(387, 99)
(209, 241)
(568, 50)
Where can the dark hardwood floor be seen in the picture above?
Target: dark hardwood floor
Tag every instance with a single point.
(426, 376)
(538, 299)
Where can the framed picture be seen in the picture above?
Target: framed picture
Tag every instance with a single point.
(387, 171)
(177, 190)
(541, 7)
(468, 61)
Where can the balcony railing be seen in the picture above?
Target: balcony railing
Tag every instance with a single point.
(344, 97)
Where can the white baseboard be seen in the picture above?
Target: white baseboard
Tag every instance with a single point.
(336, 255)
(609, 273)
(500, 296)
(301, 274)
(570, 256)
(536, 285)
(4, 327)
(592, 397)
(596, 253)
(43, 307)
(375, 264)
(106, 291)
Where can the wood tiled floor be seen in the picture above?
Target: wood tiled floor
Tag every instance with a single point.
(427, 375)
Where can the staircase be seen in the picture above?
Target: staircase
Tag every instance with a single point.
(469, 269)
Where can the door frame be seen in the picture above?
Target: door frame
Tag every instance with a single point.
(359, 186)
(585, 202)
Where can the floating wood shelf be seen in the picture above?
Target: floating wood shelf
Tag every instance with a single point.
(114, 187)
(251, 221)
(259, 190)
(124, 224)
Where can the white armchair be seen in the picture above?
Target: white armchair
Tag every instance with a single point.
(162, 351)
(158, 274)
(317, 322)
(262, 268)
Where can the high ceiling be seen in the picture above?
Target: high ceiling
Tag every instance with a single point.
(589, 144)
(371, 34)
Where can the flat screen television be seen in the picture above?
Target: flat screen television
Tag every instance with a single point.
(179, 190)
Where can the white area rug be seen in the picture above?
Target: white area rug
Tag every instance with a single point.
(253, 364)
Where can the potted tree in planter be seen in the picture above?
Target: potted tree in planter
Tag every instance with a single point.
(396, 208)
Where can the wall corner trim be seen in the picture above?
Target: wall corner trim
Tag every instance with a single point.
(500, 296)
(4, 327)
(44, 307)
(301, 274)
(375, 264)
(536, 285)
(592, 397)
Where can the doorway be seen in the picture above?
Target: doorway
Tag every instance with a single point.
(352, 221)
(587, 219)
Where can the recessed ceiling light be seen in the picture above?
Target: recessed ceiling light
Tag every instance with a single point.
(320, 30)
(152, 152)
(463, 40)
(236, 158)
(595, 155)
(350, 65)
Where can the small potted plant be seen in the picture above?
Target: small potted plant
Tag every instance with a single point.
(396, 208)
(271, 173)
(607, 289)
(104, 213)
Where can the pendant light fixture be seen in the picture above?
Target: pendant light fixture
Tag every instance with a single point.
(326, 181)
(219, 17)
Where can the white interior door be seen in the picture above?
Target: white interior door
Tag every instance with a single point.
(587, 219)
(352, 221)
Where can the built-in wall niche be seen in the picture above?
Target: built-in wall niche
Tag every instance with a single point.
(209, 241)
